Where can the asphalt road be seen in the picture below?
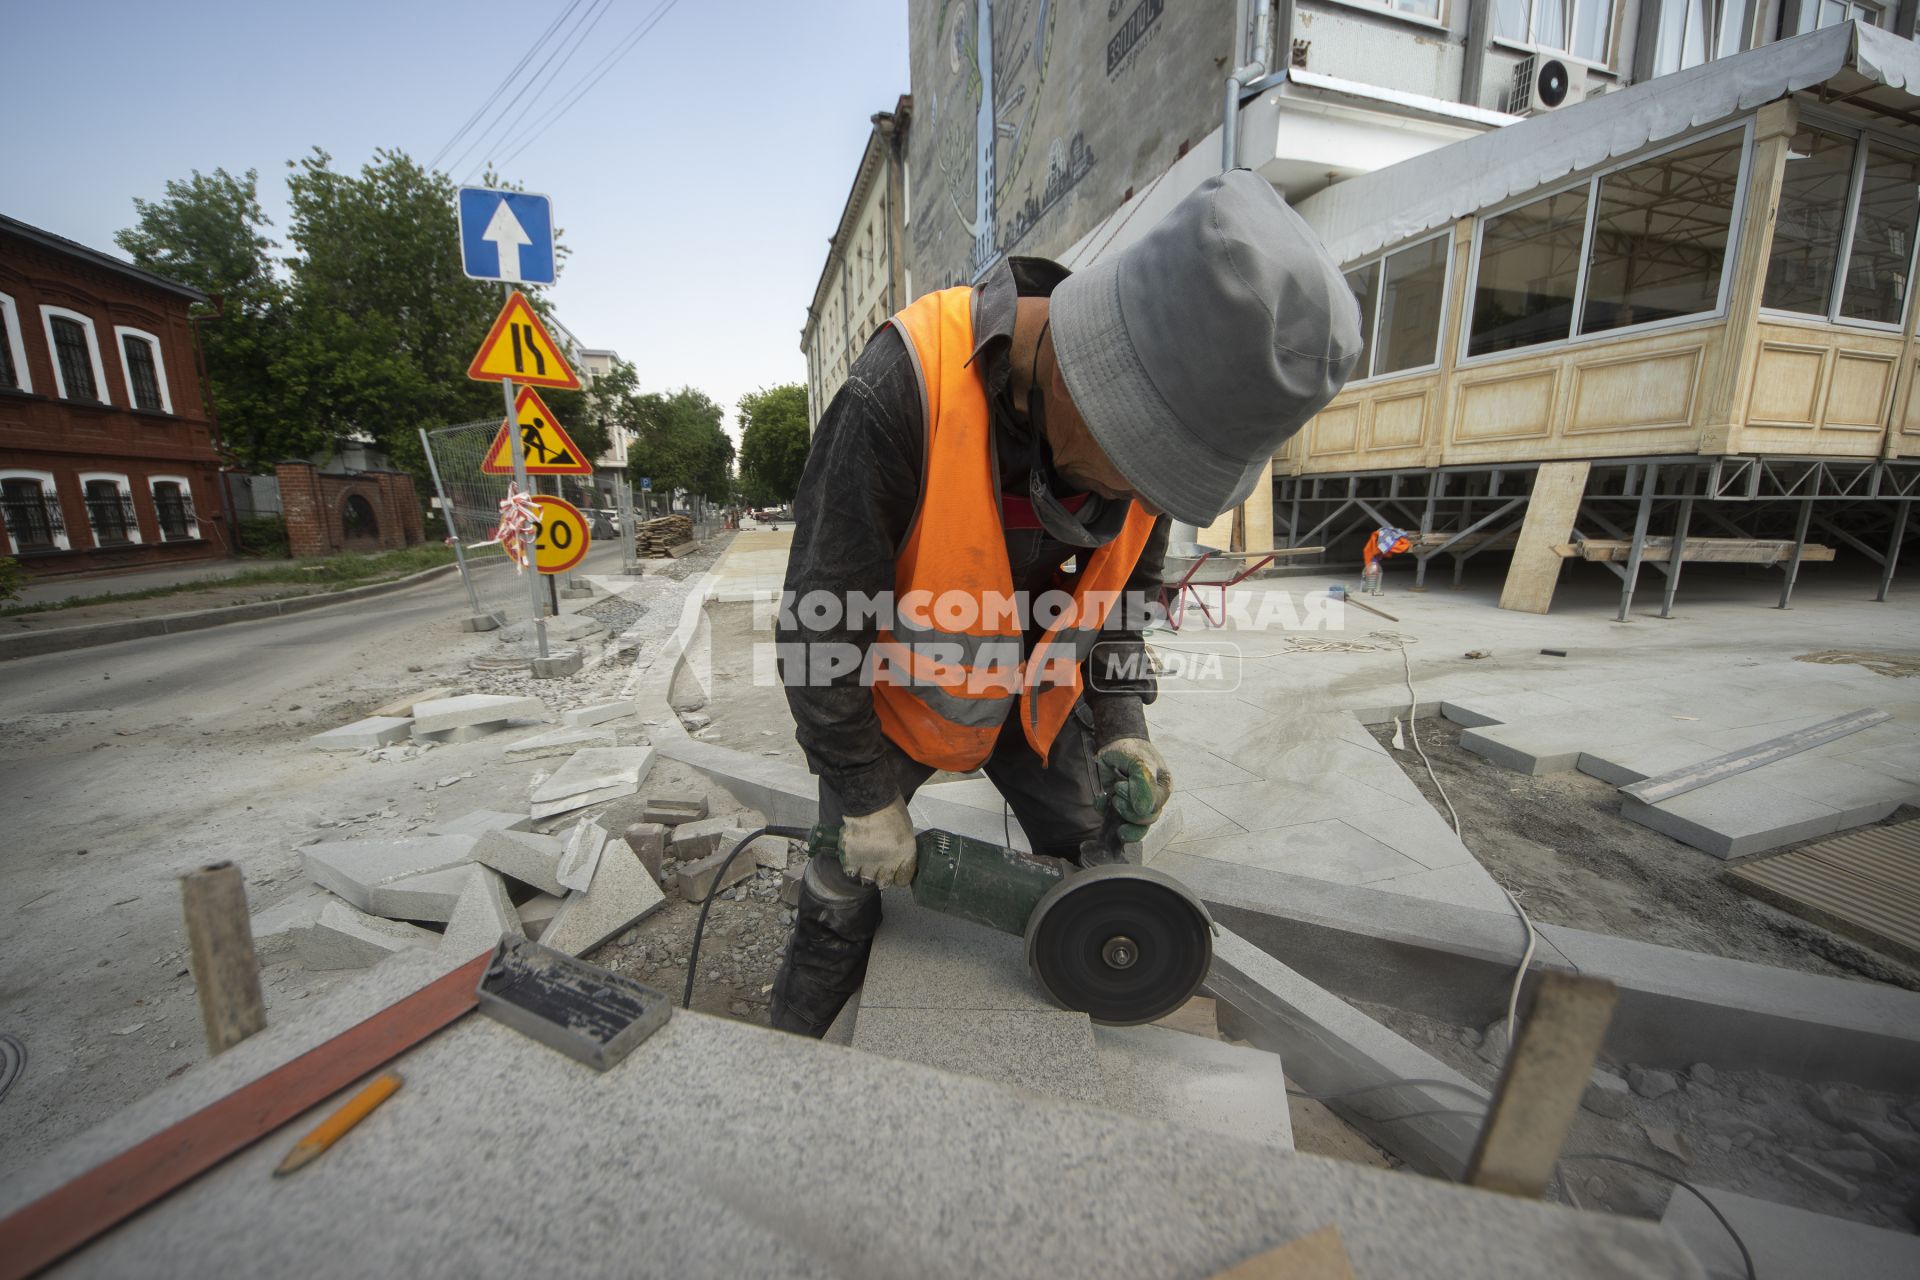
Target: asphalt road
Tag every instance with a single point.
(127, 764)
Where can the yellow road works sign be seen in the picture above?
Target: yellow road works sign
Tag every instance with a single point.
(563, 538)
(519, 347)
(550, 450)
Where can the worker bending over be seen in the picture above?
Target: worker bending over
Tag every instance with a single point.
(997, 473)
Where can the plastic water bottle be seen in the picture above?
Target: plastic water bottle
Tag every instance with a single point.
(1370, 580)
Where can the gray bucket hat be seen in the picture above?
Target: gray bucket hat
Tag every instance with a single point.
(1197, 351)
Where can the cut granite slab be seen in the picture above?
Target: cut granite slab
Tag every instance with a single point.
(527, 856)
(703, 836)
(1163, 1074)
(582, 854)
(430, 896)
(1044, 1051)
(1554, 744)
(599, 713)
(1737, 816)
(362, 735)
(922, 959)
(357, 869)
(342, 938)
(1786, 1241)
(403, 706)
(482, 916)
(648, 840)
(479, 822)
(696, 879)
(590, 776)
(561, 742)
(474, 708)
(622, 893)
(537, 912)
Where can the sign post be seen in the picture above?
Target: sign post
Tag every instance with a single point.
(520, 480)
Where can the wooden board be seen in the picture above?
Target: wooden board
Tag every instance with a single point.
(1535, 569)
(68, 1217)
(1698, 550)
(1678, 782)
(1319, 1256)
(1865, 884)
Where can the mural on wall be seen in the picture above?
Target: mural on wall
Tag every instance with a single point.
(1034, 118)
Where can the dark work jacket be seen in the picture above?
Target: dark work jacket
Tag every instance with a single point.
(856, 502)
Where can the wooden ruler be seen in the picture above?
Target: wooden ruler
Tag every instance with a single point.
(61, 1221)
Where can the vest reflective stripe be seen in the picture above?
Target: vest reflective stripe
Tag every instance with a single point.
(942, 693)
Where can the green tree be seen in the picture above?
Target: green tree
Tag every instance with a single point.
(680, 445)
(590, 414)
(210, 232)
(773, 443)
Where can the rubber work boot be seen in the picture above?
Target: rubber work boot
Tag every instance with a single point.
(826, 958)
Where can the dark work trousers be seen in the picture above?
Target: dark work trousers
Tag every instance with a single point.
(834, 926)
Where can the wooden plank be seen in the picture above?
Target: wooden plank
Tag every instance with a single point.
(1698, 550)
(1680, 781)
(1540, 1090)
(226, 976)
(1321, 1255)
(1535, 569)
(68, 1217)
(1865, 885)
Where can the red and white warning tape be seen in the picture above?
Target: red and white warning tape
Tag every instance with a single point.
(519, 516)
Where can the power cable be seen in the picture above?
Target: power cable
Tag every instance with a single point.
(13, 1060)
(501, 88)
(706, 903)
(596, 73)
(1684, 1185)
(481, 138)
(512, 134)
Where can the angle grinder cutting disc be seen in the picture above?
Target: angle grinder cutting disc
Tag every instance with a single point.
(1122, 944)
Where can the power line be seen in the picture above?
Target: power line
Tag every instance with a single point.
(511, 129)
(501, 88)
(594, 10)
(597, 73)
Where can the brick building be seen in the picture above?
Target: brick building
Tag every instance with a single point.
(330, 512)
(108, 457)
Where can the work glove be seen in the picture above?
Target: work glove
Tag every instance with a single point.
(1135, 784)
(878, 848)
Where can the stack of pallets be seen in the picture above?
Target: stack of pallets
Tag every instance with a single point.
(665, 536)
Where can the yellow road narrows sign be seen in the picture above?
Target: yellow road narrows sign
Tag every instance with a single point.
(519, 348)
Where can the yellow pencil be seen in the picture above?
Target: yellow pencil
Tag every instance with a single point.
(335, 1126)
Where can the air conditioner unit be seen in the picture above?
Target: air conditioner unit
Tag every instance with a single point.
(1541, 84)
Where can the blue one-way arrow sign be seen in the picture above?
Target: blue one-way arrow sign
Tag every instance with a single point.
(506, 235)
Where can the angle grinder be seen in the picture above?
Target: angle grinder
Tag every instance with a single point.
(1120, 943)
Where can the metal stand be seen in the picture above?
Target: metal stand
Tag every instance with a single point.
(446, 515)
(520, 479)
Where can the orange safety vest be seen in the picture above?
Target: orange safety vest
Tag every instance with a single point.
(949, 669)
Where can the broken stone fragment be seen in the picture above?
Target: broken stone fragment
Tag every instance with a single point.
(674, 810)
(696, 879)
(1650, 1083)
(1607, 1095)
(648, 840)
(527, 856)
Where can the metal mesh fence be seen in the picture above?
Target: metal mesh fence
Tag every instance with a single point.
(472, 510)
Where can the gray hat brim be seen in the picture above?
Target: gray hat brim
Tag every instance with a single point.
(1162, 460)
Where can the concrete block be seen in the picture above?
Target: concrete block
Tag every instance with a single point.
(537, 912)
(362, 735)
(1607, 1095)
(697, 839)
(480, 821)
(556, 666)
(355, 869)
(1737, 816)
(1045, 1051)
(527, 856)
(598, 713)
(1622, 766)
(1786, 1241)
(342, 938)
(582, 854)
(482, 916)
(696, 879)
(561, 742)
(479, 622)
(1225, 1089)
(474, 708)
(431, 895)
(671, 811)
(465, 733)
(648, 840)
(590, 776)
(1331, 1047)
(790, 884)
(403, 706)
(277, 928)
(1555, 744)
(771, 852)
(576, 593)
(621, 893)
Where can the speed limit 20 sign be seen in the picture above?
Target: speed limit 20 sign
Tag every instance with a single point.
(563, 538)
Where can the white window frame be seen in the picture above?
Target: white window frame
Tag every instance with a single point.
(186, 491)
(126, 492)
(1446, 298)
(1808, 17)
(1385, 9)
(1565, 55)
(48, 315)
(10, 334)
(1836, 287)
(1590, 184)
(121, 332)
(62, 540)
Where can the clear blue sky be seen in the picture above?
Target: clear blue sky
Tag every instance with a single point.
(696, 184)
